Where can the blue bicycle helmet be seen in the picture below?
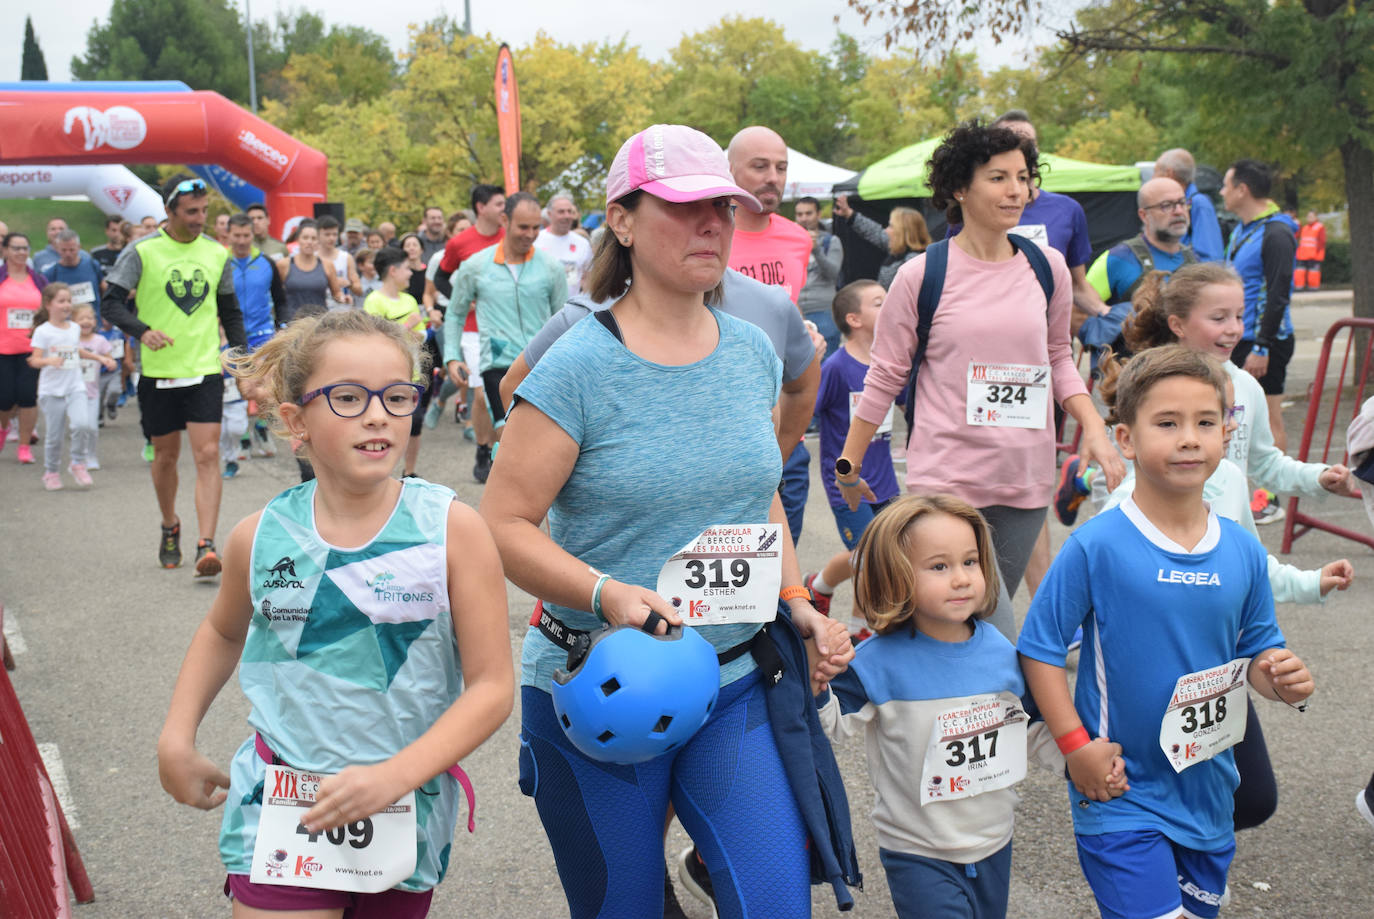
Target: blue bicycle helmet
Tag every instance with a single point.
(634, 695)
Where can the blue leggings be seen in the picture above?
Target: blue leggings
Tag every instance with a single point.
(605, 822)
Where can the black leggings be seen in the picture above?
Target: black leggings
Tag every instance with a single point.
(1257, 796)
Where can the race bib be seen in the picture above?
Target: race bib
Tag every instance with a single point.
(178, 382)
(977, 745)
(1008, 395)
(71, 360)
(21, 319)
(83, 292)
(884, 429)
(727, 574)
(90, 371)
(1206, 714)
(117, 347)
(366, 856)
(1035, 232)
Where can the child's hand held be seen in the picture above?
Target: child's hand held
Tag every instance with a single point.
(1089, 767)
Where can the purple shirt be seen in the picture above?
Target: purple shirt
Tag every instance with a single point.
(1065, 225)
(842, 380)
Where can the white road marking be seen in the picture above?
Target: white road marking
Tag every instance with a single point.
(13, 636)
(52, 761)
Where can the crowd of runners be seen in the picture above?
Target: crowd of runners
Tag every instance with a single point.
(643, 396)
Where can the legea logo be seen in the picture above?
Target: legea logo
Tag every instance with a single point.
(118, 126)
(262, 148)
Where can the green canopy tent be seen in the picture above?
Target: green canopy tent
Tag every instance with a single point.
(1107, 194)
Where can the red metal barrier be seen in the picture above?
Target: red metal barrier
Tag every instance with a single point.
(38, 855)
(1297, 522)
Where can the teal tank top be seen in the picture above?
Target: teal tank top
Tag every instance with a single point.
(349, 657)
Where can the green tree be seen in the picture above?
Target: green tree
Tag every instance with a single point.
(200, 42)
(1286, 81)
(350, 62)
(746, 71)
(33, 66)
(1121, 136)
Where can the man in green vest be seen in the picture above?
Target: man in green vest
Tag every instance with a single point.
(184, 294)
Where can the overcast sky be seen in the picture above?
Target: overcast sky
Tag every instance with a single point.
(61, 27)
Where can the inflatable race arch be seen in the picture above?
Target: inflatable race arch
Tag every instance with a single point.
(113, 189)
(100, 123)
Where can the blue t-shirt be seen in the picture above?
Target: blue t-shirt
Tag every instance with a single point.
(663, 453)
(84, 280)
(1123, 268)
(1204, 231)
(1152, 612)
(842, 382)
(1062, 221)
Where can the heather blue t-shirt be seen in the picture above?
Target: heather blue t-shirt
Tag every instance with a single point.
(84, 280)
(1063, 222)
(664, 452)
(842, 375)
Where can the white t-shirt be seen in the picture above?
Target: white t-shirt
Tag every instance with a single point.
(571, 251)
(340, 262)
(65, 343)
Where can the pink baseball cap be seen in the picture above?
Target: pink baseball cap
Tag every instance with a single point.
(675, 163)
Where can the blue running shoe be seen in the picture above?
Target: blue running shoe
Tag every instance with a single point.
(1073, 488)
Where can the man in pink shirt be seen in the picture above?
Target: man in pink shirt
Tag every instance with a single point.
(768, 247)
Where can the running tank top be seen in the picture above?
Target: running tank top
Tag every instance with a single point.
(307, 292)
(349, 657)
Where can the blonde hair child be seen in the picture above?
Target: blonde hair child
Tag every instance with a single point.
(381, 605)
(938, 695)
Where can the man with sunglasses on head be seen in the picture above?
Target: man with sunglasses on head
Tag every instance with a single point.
(184, 295)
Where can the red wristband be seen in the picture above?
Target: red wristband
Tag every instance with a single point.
(1076, 739)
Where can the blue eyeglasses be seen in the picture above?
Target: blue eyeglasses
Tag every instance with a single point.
(349, 400)
(188, 187)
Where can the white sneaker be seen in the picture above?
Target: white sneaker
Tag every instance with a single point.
(1362, 805)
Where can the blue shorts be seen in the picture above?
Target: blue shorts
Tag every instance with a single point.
(605, 822)
(932, 888)
(853, 523)
(1142, 874)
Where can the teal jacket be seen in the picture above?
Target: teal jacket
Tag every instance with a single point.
(511, 308)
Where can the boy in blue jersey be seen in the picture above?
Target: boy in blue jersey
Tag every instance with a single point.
(1177, 619)
(855, 309)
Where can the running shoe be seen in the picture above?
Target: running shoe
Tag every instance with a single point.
(148, 452)
(52, 481)
(231, 469)
(169, 549)
(1265, 506)
(482, 468)
(83, 478)
(207, 559)
(93, 466)
(469, 434)
(694, 876)
(1364, 804)
(672, 909)
(24, 453)
(112, 410)
(432, 414)
(819, 600)
(1073, 488)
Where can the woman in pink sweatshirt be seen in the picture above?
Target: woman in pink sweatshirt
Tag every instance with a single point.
(996, 355)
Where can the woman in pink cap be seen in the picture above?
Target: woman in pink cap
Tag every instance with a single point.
(644, 427)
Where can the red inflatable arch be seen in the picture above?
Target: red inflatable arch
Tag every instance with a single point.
(172, 127)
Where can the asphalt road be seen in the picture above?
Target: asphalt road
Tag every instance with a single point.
(101, 631)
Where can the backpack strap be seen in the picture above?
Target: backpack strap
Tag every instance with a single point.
(1039, 263)
(1141, 251)
(932, 286)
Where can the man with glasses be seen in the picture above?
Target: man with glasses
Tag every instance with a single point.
(185, 294)
(1163, 209)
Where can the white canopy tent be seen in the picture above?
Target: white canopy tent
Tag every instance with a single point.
(809, 176)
